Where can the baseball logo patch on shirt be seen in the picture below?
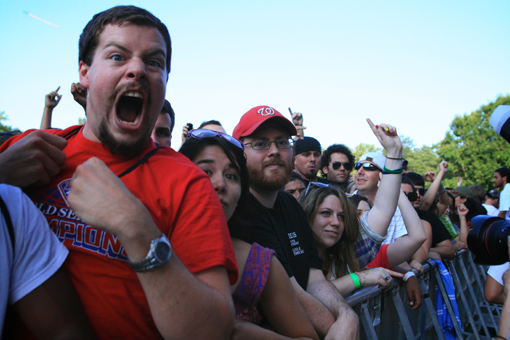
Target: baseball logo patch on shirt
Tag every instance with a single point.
(65, 187)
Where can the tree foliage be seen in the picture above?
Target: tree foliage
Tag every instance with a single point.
(363, 148)
(4, 128)
(473, 149)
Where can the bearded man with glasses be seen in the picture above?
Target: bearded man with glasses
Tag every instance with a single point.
(275, 220)
(337, 163)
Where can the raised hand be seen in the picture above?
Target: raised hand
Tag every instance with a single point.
(79, 93)
(53, 98)
(462, 210)
(297, 120)
(443, 167)
(430, 176)
(387, 136)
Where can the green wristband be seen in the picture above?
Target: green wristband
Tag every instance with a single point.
(355, 278)
(392, 172)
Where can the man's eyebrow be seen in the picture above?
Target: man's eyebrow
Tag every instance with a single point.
(152, 52)
(115, 44)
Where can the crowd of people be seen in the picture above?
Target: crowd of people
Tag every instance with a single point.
(256, 234)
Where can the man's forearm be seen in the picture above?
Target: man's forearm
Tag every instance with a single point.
(183, 306)
(346, 324)
(446, 252)
(430, 195)
(46, 118)
(320, 316)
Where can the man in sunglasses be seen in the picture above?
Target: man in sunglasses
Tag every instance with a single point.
(440, 242)
(368, 171)
(276, 221)
(336, 165)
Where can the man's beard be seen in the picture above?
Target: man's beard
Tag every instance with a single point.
(311, 175)
(275, 180)
(127, 150)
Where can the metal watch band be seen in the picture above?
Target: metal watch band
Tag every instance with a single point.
(159, 253)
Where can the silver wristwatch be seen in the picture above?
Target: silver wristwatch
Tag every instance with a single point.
(159, 254)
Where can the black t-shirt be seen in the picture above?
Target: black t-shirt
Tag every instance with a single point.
(439, 231)
(306, 181)
(284, 229)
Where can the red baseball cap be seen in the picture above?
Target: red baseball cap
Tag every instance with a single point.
(252, 119)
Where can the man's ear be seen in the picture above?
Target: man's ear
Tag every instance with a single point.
(84, 74)
(325, 170)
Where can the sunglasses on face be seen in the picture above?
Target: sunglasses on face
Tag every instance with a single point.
(421, 191)
(366, 166)
(337, 165)
(412, 196)
(205, 133)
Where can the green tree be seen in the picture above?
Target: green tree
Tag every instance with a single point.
(472, 147)
(363, 148)
(4, 128)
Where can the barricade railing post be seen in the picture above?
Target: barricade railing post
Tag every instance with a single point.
(367, 322)
(481, 290)
(404, 320)
(429, 307)
(476, 300)
(456, 326)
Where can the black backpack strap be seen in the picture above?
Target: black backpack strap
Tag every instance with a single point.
(7, 218)
(141, 161)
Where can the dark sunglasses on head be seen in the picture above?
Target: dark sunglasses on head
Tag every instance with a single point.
(320, 185)
(412, 196)
(338, 165)
(366, 166)
(205, 133)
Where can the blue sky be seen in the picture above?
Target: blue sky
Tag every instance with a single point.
(413, 64)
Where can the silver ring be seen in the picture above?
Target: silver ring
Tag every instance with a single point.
(387, 277)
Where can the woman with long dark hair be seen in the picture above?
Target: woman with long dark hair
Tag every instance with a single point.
(264, 288)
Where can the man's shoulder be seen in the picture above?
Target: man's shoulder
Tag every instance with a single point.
(506, 189)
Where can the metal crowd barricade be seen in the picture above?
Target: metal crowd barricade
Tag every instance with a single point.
(386, 314)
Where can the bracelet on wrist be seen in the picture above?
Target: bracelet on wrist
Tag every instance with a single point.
(408, 275)
(387, 171)
(395, 158)
(355, 279)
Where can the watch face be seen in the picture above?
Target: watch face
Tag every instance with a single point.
(163, 251)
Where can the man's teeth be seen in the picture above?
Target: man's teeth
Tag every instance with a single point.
(131, 123)
(133, 94)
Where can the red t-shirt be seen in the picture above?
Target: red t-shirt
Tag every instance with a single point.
(381, 259)
(184, 206)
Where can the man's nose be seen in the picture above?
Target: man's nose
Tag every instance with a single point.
(136, 69)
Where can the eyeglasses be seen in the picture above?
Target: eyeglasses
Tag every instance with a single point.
(412, 196)
(266, 144)
(366, 166)
(421, 191)
(320, 185)
(205, 133)
(337, 165)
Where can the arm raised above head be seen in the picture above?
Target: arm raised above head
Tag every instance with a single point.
(386, 199)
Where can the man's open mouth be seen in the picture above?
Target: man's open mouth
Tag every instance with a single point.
(129, 108)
